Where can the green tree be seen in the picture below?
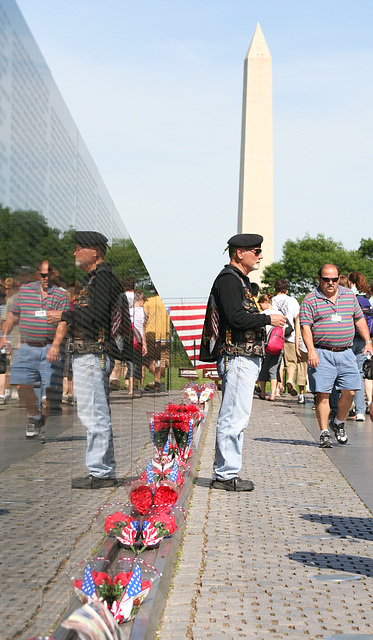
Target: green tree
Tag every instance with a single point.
(303, 257)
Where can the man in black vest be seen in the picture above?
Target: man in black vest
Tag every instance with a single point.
(233, 336)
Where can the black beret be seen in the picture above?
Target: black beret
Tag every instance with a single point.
(91, 239)
(245, 240)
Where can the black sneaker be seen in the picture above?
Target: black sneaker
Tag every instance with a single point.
(233, 484)
(325, 440)
(339, 432)
(34, 426)
(92, 482)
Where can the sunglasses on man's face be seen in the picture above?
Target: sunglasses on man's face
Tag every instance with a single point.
(43, 275)
(329, 279)
(256, 251)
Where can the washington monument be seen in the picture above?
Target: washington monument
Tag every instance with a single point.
(255, 205)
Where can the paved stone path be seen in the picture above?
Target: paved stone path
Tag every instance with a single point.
(256, 565)
(45, 526)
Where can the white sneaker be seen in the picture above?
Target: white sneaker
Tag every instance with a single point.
(14, 395)
(360, 417)
(301, 399)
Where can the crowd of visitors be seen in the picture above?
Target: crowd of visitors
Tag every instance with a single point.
(319, 345)
(57, 339)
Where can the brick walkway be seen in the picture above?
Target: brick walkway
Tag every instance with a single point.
(255, 565)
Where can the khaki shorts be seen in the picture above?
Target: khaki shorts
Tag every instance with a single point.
(302, 369)
(290, 356)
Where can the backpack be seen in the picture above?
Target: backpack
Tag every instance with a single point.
(275, 341)
(368, 315)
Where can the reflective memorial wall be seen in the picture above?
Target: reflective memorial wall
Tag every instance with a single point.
(72, 327)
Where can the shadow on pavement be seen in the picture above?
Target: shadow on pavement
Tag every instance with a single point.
(360, 528)
(337, 562)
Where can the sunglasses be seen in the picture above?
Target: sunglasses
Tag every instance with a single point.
(43, 275)
(329, 279)
(256, 251)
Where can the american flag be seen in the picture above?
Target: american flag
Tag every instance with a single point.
(150, 473)
(135, 525)
(173, 474)
(149, 533)
(190, 435)
(166, 447)
(134, 585)
(188, 321)
(88, 586)
(152, 430)
(215, 326)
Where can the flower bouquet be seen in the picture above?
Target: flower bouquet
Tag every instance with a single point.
(207, 392)
(159, 430)
(143, 495)
(191, 391)
(182, 427)
(160, 523)
(140, 495)
(91, 579)
(121, 521)
(133, 582)
(121, 591)
(153, 471)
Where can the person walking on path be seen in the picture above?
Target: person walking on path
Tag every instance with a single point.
(290, 308)
(37, 359)
(233, 336)
(329, 316)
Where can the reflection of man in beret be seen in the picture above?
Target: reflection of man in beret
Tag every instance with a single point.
(94, 350)
(237, 349)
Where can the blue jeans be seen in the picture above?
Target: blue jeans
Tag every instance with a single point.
(238, 382)
(91, 388)
(357, 348)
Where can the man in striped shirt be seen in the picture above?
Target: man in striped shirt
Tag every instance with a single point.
(328, 318)
(36, 361)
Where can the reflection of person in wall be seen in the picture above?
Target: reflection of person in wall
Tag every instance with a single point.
(94, 349)
(36, 360)
(134, 365)
(158, 340)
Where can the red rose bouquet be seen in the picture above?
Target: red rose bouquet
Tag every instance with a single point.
(166, 494)
(182, 427)
(131, 585)
(122, 592)
(124, 527)
(141, 496)
(156, 527)
(159, 430)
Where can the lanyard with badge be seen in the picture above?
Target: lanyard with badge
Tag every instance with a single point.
(336, 317)
(41, 313)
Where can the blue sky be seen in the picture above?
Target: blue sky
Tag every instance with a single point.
(155, 88)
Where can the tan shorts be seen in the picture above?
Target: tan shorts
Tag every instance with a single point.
(302, 369)
(290, 356)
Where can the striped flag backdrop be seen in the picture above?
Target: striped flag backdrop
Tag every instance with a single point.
(188, 321)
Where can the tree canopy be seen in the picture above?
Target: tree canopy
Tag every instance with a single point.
(303, 257)
(26, 239)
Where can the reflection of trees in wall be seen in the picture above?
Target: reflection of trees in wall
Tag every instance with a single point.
(26, 239)
(126, 262)
(303, 257)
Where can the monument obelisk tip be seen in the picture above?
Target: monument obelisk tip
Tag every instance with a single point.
(258, 45)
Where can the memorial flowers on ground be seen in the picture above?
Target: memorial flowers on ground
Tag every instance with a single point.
(122, 591)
